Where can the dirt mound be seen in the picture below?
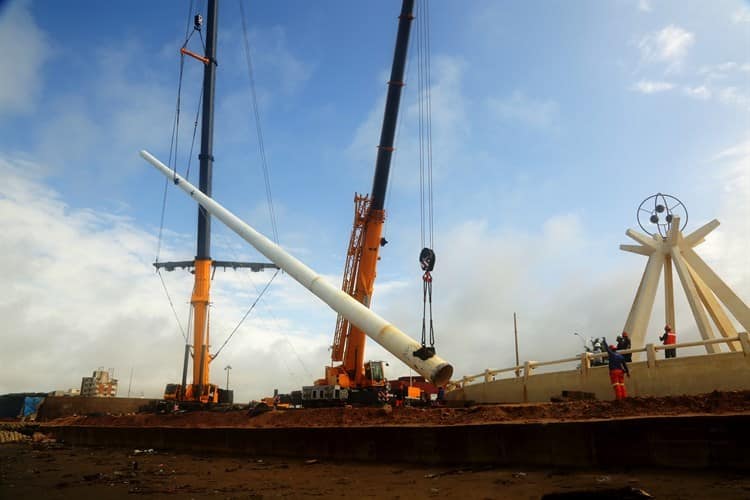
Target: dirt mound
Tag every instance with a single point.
(715, 403)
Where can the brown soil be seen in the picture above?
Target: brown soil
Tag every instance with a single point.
(716, 403)
(39, 468)
(35, 470)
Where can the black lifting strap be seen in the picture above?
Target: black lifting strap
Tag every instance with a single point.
(427, 262)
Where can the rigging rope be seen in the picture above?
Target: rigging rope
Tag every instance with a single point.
(172, 159)
(247, 313)
(259, 131)
(171, 304)
(174, 142)
(273, 318)
(427, 255)
(195, 130)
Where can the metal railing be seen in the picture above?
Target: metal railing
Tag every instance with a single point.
(524, 371)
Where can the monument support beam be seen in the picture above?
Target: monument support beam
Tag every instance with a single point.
(669, 293)
(644, 301)
(704, 327)
(725, 294)
(696, 237)
(715, 310)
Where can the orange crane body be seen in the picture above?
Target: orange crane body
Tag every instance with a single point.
(363, 253)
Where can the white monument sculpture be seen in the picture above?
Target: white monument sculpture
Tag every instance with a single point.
(705, 291)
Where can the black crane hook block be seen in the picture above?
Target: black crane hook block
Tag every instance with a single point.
(427, 259)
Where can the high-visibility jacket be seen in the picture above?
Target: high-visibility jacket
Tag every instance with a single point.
(669, 338)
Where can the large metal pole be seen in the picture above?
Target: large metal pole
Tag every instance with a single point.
(381, 331)
(515, 334)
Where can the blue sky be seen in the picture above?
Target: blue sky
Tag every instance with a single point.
(551, 122)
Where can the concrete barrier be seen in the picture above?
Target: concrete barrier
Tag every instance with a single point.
(663, 377)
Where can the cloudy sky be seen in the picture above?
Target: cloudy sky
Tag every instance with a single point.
(552, 121)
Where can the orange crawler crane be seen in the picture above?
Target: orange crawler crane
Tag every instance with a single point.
(350, 378)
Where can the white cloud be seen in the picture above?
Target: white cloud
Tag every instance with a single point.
(726, 82)
(25, 50)
(741, 15)
(102, 119)
(734, 96)
(271, 58)
(82, 294)
(725, 70)
(727, 246)
(652, 87)
(450, 123)
(669, 45)
(563, 229)
(520, 108)
(487, 274)
(546, 276)
(700, 92)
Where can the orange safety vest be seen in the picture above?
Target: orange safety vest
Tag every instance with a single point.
(671, 338)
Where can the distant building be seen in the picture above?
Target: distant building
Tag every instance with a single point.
(100, 385)
(70, 392)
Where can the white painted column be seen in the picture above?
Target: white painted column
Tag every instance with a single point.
(704, 327)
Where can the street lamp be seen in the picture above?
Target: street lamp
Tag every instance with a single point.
(226, 369)
(582, 340)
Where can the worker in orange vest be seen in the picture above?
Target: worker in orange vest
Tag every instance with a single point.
(669, 338)
(618, 368)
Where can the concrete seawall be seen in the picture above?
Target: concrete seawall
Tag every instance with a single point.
(679, 442)
(663, 377)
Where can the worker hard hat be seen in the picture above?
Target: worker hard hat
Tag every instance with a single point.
(613, 348)
(624, 334)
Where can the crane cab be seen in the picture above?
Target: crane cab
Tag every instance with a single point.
(375, 374)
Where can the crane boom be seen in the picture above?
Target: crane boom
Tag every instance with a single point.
(201, 388)
(369, 217)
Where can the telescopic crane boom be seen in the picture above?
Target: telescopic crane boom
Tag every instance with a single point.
(201, 390)
(348, 369)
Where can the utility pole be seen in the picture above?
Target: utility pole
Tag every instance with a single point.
(131, 380)
(515, 334)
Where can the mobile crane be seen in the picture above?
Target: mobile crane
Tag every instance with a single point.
(201, 391)
(352, 380)
(349, 378)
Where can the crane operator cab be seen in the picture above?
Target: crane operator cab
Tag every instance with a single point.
(375, 374)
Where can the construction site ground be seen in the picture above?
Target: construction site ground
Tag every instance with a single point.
(66, 469)
(716, 403)
(36, 471)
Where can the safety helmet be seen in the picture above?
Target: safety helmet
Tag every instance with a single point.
(624, 334)
(613, 348)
